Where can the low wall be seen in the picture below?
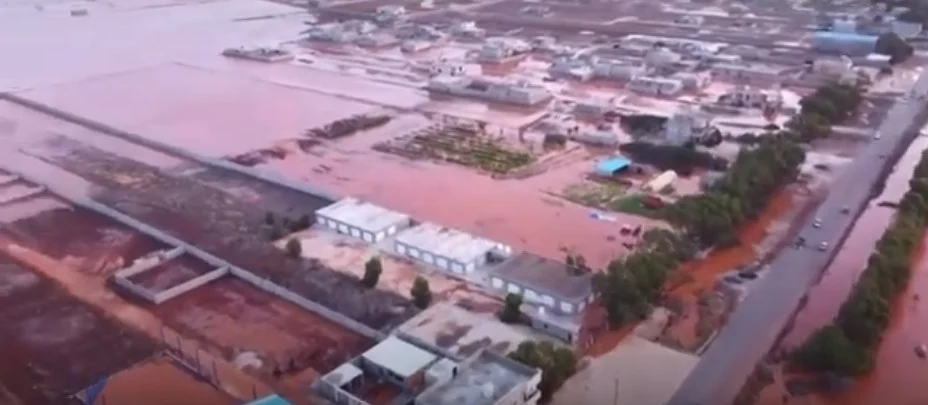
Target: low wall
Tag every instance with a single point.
(168, 149)
(333, 393)
(29, 194)
(190, 285)
(243, 274)
(136, 289)
(10, 179)
(281, 292)
(148, 262)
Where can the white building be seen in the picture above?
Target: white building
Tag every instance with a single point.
(657, 86)
(686, 126)
(491, 89)
(445, 248)
(662, 57)
(661, 181)
(488, 379)
(833, 66)
(361, 220)
(749, 97)
(744, 72)
(614, 69)
(693, 80)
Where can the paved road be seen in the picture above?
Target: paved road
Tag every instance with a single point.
(753, 328)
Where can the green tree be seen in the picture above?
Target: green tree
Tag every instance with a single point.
(372, 270)
(828, 350)
(556, 363)
(294, 248)
(512, 309)
(421, 293)
(896, 48)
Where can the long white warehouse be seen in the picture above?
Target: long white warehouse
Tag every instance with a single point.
(361, 219)
(445, 248)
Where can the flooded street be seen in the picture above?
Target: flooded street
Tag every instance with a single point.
(899, 372)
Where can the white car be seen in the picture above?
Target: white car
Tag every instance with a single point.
(877, 136)
(817, 223)
(823, 246)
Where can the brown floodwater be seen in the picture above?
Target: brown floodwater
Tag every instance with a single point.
(826, 297)
(899, 374)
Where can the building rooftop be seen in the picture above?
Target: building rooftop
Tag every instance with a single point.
(398, 356)
(612, 165)
(270, 400)
(483, 382)
(343, 374)
(361, 214)
(445, 242)
(544, 276)
(459, 332)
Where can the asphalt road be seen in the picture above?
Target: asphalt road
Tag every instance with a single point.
(753, 328)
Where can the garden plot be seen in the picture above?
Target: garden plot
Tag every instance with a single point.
(461, 145)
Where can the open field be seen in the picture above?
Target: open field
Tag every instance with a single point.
(171, 273)
(54, 345)
(221, 224)
(159, 381)
(261, 331)
(86, 241)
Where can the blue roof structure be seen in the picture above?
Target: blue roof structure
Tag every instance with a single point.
(609, 166)
(844, 36)
(270, 400)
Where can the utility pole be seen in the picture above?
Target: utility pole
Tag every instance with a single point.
(615, 400)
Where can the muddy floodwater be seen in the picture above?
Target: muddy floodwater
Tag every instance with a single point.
(900, 376)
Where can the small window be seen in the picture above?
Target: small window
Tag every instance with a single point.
(368, 237)
(497, 283)
(401, 249)
(380, 236)
(428, 258)
(442, 263)
(343, 228)
(457, 268)
(567, 307)
(514, 289)
(414, 252)
(355, 232)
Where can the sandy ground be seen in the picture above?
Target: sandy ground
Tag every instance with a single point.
(161, 380)
(637, 372)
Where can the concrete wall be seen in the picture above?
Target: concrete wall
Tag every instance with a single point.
(190, 285)
(245, 275)
(148, 262)
(136, 289)
(337, 394)
(28, 194)
(168, 149)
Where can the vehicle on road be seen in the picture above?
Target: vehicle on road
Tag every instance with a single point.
(817, 223)
(846, 210)
(800, 242)
(877, 135)
(823, 246)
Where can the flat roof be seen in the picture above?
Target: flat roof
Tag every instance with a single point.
(270, 400)
(612, 164)
(483, 382)
(544, 276)
(398, 356)
(362, 214)
(343, 374)
(445, 242)
(460, 332)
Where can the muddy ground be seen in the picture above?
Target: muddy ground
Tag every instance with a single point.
(54, 345)
(260, 331)
(224, 224)
(172, 273)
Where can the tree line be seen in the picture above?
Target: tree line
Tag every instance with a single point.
(829, 105)
(848, 346)
(630, 285)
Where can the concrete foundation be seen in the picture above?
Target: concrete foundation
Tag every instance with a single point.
(123, 276)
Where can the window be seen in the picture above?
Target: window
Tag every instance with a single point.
(414, 252)
(548, 300)
(400, 249)
(368, 237)
(380, 236)
(320, 220)
(355, 232)
(514, 289)
(497, 283)
(428, 258)
(457, 268)
(531, 296)
(342, 228)
(442, 263)
(392, 230)
(567, 307)
(470, 267)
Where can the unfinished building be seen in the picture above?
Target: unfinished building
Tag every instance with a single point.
(446, 248)
(124, 277)
(401, 372)
(460, 333)
(362, 220)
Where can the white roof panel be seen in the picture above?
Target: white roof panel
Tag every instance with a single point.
(398, 356)
(343, 374)
(362, 215)
(446, 242)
